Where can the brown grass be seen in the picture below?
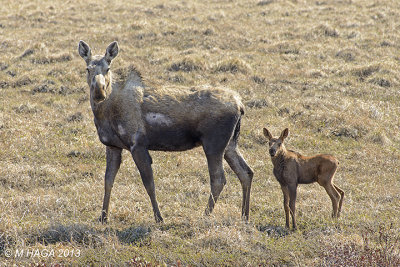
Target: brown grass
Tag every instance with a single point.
(326, 69)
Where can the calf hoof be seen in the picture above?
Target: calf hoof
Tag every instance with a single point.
(207, 211)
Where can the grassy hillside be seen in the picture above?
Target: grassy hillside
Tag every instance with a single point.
(328, 70)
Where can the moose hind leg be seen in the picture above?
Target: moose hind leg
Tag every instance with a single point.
(217, 179)
(215, 140)
(113, 162)
(143, 162)
(243, 172)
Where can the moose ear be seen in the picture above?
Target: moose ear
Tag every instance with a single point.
(111, 52)
(284, 134)
(84, 51)
(267, 133)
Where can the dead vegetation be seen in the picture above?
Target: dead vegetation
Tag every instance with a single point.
(188, 65)
(232, 65)
(328, 69)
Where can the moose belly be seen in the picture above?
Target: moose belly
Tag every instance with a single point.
(174, 138)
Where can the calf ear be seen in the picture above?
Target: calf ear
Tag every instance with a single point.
(84, 51)
(111, 51)
(267, 133)
(284, 134)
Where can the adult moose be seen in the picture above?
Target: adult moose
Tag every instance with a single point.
(128, 115)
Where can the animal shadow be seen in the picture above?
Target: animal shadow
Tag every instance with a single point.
(273, 230)
(88, 236)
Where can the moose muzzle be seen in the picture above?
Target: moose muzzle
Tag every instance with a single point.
(99, 88)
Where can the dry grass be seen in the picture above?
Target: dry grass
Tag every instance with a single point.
(328, 70)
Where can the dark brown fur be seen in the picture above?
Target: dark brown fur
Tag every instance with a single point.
(128, 115)
(292, 168)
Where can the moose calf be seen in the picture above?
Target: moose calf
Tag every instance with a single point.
(291, 169)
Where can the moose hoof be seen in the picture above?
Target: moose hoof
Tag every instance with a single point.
(103, 219)
(159, 219)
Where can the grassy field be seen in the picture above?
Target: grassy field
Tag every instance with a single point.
(327, 69)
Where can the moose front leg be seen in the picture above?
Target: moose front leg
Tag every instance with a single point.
(143, 162)
(113, 155)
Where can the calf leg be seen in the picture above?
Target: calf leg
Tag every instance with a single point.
(285, 192)
(143, 162)
(113, 156)
(217, 179)
(335, 197)
(341, 192)
(292, 203)
(325, 180)
(243, 172)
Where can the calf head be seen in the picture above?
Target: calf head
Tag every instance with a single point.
(98, 75)
(276, 144)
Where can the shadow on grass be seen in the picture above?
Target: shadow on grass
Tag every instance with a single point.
(134, 235)
(273, 230)
(59, 233)
(88, 236)
(5, 241)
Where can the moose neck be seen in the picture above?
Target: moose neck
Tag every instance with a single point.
(128, 77)
(125, 79)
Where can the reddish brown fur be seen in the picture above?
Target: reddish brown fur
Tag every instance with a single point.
(292, 168)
